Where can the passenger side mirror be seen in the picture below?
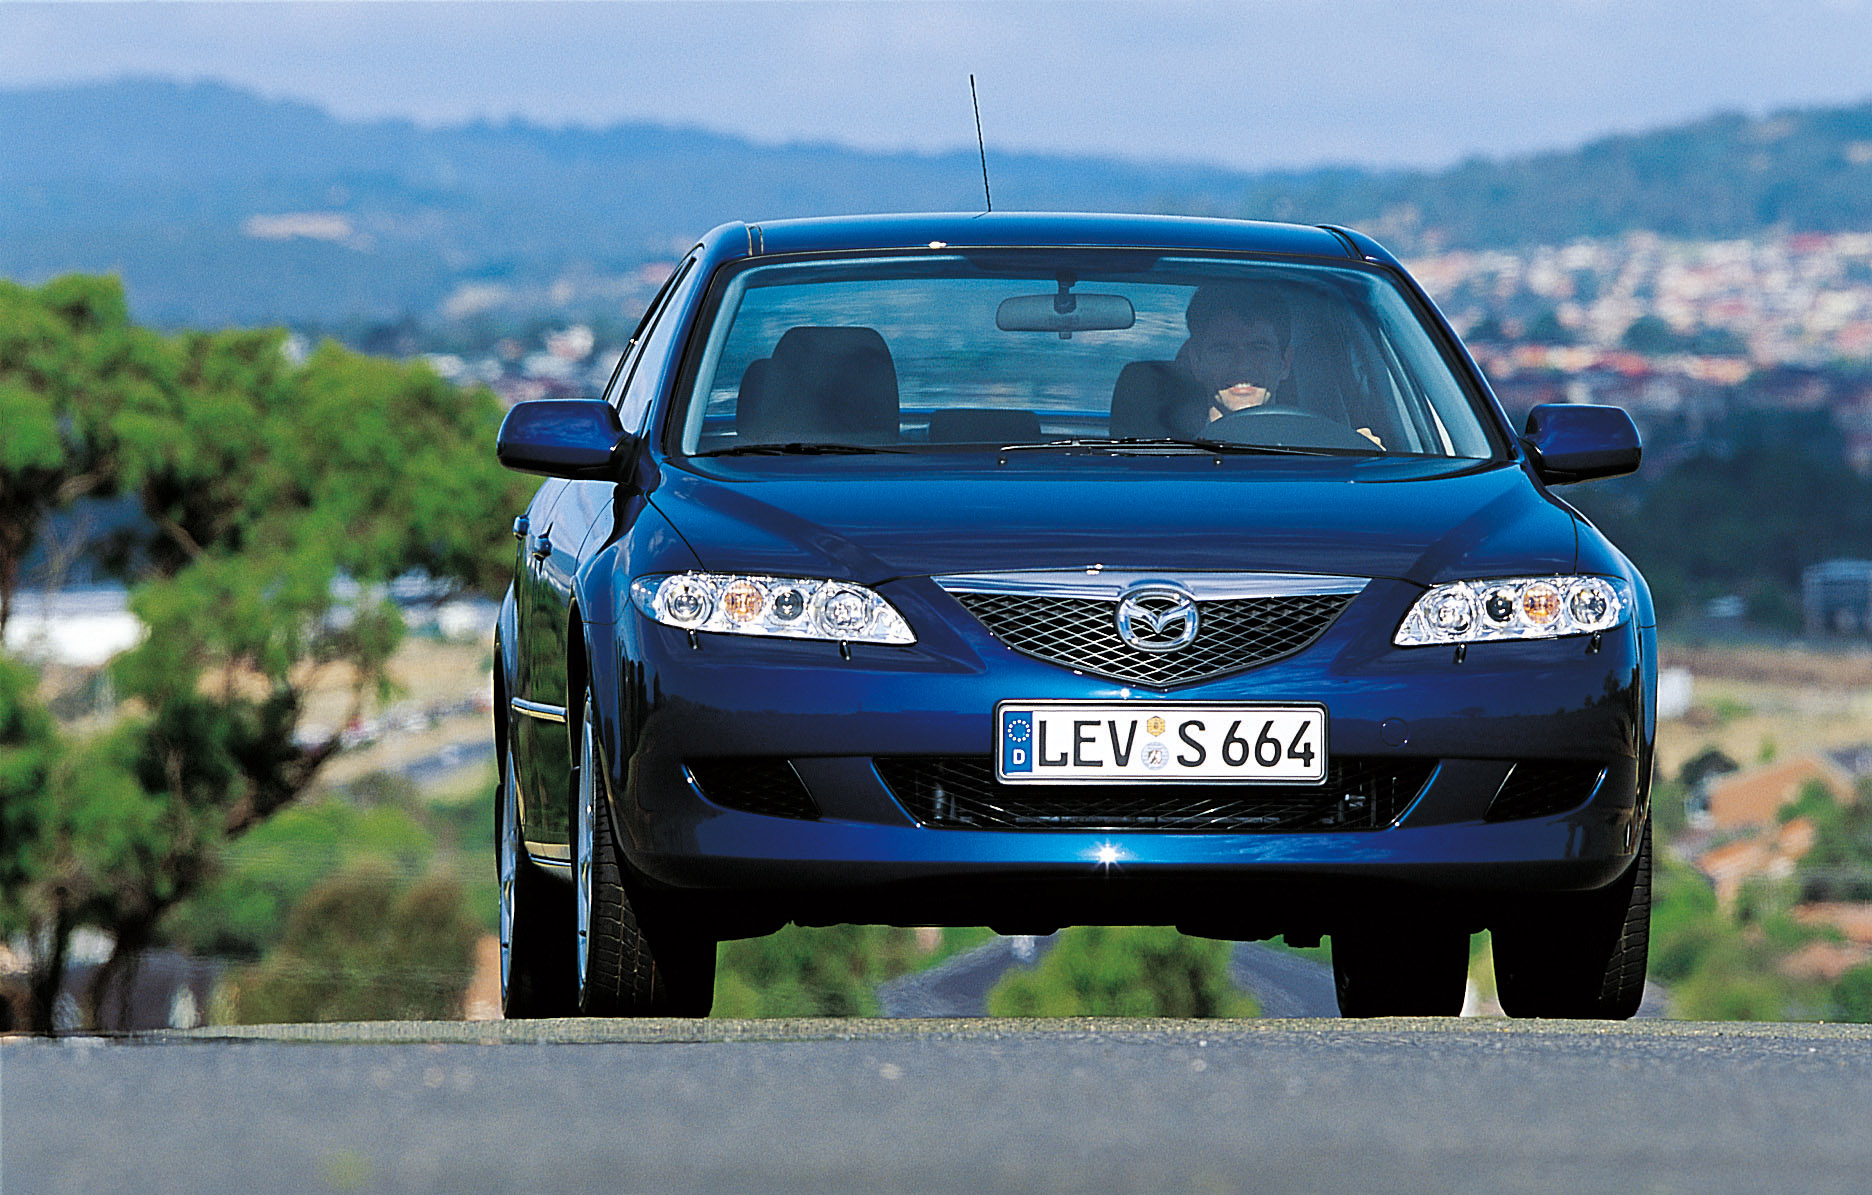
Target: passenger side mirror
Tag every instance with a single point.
(1570, 442)
(578, 439)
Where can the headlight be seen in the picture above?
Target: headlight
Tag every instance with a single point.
(788, 607)
(1514, 608)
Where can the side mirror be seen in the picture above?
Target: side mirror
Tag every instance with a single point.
(580, 439)
(1571, 442)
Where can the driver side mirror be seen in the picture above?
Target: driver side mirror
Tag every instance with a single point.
(579, 439)
(1570, 442)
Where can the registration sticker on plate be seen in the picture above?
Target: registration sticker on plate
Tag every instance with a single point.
(1054, 742)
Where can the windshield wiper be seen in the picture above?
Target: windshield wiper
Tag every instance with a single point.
(798, 448)
(1196, 442)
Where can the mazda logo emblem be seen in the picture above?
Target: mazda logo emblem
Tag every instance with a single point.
(1157, 618)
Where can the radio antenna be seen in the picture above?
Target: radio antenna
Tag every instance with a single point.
(979, 143)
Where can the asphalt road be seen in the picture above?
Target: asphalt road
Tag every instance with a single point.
(1285, 985)
(879, 1105)
(959, 987)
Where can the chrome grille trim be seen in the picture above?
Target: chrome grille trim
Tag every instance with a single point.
(1068, 618)
(1098, 582)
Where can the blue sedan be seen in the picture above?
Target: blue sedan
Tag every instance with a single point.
(1039, 570)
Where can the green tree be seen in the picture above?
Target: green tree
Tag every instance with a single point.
(1653, 334)
(264, 485)
(1141, 971)
(70, 360)
(1838, 867)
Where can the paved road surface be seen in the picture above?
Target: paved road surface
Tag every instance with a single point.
(1286, 985)
(959, 987)
(976, 1105)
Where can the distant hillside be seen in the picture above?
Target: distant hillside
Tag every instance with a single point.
(219, 207)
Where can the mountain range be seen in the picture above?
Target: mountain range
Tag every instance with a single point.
(220, 207)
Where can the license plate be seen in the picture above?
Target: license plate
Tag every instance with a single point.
(1053, 742)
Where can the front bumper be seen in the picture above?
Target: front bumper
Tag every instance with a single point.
(865, 857)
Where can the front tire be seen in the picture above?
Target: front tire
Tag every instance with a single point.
(635, 957)
(1390, 970)
(535, 949)
(1580, 956)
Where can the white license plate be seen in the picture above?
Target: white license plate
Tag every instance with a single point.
(1052, 742)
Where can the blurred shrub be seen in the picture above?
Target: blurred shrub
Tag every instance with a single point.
(828, 971)
(244, 910)
(365, 945)
(1140, 971)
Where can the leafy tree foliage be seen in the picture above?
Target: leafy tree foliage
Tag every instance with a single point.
(1142, 971)
(70, 362)
(264, 484)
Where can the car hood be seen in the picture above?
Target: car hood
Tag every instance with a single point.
(871, 519)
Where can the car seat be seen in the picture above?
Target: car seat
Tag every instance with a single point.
(822, 385)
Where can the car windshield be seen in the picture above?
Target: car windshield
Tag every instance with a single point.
(1065, 350)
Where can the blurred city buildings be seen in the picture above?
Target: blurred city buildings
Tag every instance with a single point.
(1683, 334)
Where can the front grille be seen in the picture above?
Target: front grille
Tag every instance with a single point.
(961, 793)
(1544, 787)
(1082, 633)
(766, 786)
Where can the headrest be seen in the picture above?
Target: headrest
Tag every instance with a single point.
(826, 384)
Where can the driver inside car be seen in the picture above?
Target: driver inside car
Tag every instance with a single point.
(1240, 349)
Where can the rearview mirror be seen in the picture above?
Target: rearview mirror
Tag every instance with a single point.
(1065, 312)
(1575, 442)
(579, 439)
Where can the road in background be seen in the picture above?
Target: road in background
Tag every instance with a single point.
(1284, 984)
(1096, 1105)
(959, 987)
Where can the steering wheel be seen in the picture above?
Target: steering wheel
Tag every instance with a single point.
(1287, 427)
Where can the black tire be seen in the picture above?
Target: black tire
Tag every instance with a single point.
(1580, 956)
(1397, 969)
(535, 912)
(635, 957)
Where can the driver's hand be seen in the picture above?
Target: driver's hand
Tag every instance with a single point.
(1239, 397)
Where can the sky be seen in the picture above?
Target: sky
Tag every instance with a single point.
(1246, 84)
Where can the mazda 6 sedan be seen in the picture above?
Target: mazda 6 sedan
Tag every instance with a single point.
(1043, 570)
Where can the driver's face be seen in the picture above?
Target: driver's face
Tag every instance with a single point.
(1239, 360)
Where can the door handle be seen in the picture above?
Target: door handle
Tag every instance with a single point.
(542, 547)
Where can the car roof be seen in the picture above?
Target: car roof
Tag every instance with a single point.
(967, 230)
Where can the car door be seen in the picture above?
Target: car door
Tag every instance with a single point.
(542, 755)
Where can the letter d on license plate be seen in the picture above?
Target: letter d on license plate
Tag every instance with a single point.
(1057, 742)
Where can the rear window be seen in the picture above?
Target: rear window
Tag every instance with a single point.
(973, 352)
